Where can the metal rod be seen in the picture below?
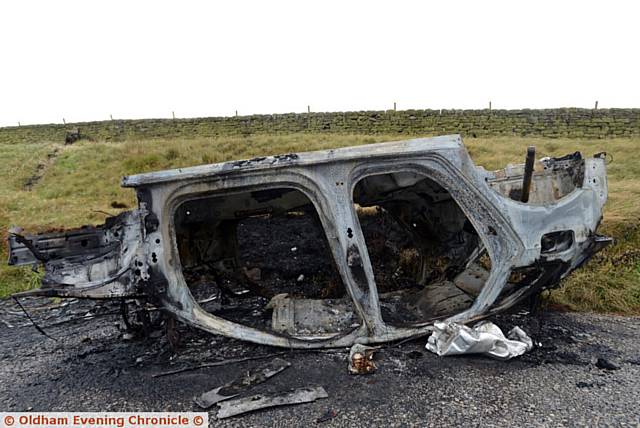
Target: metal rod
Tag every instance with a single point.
(528, 173)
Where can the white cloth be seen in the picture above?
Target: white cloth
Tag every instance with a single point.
(484, 338)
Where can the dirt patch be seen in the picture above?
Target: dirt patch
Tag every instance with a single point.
(41, 169)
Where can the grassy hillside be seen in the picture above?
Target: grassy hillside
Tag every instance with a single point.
(48, 185)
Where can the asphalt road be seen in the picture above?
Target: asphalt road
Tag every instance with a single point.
(90, 367)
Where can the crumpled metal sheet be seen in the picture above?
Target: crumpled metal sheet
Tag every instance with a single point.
(249, 404)
(449, 338)
(242, 383)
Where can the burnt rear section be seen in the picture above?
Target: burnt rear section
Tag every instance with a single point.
(87, 241)
(91, 261)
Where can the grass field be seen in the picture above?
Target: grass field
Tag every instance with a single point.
(78, 184)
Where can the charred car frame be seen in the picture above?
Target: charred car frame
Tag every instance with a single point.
(496, 237)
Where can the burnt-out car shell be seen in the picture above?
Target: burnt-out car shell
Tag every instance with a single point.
(499, 249)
